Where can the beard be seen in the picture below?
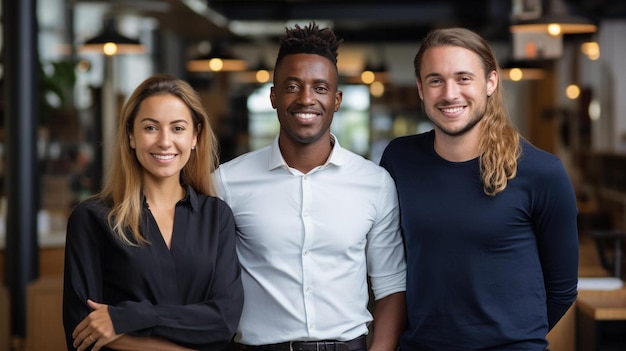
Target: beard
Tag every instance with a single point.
(476, 117)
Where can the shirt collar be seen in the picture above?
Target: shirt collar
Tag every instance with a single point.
(191, 198)
(276, 160)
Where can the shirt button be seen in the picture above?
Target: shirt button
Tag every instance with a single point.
(306, 253)
(307, 289)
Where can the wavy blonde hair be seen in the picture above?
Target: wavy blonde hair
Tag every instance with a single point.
(499, 142)
(123, 183)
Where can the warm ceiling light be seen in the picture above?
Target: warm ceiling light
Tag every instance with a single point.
(572, 91)
(556, 21)
(217, 60)
(516, 74)
(368, 77)
(377, 89)
(262, 72)
(372, 73)
(110, 42)
(522, 70)
(591, 49)
(216, 64)
(262, 76)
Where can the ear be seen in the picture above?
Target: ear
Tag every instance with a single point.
(131, 141)
(419, 89)
(338, 99)
(492, 82)
(272, 97)
(195, 136)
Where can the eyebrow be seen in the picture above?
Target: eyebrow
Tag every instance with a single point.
(316, 81)
(149, 119)
(465, 73)
(460, 73)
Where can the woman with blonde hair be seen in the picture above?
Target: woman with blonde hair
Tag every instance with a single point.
(150, 261)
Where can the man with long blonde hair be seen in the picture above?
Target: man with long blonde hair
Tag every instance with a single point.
(489, 220)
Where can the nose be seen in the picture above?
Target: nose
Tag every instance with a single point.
(164, 141)
(451, 91)
(306, 96)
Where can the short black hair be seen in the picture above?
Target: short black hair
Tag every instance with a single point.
(309, 40)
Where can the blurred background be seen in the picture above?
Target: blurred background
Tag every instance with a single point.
(68, 65)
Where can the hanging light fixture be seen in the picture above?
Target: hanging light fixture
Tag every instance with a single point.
(374, 73)
(591, 49)
(259, 74)
(217, 60)
(522, 70)
(110, 42)
(262, 73)
(555, 21)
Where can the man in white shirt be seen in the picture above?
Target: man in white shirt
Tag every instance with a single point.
(314, 220)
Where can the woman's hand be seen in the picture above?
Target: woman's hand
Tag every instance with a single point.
(96, 328)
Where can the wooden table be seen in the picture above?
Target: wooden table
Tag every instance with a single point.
(594, 307)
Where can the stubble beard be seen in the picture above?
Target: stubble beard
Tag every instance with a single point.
(476, 118)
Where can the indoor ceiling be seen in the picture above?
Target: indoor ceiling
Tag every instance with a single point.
(354, 21)
(371, 21)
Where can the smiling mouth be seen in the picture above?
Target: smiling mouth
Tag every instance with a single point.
(451, 109)
(305, 116)
(163, 157)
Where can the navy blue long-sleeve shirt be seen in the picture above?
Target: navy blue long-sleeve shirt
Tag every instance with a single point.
(483, 272)
(190, 294)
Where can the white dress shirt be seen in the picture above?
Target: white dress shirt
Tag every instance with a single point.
(307, 243)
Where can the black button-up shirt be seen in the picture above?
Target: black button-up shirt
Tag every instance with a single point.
(190, 294)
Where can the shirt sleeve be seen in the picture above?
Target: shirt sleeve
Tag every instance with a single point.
(82, 271)
(385, 248)
(205, 325)
(555, 220)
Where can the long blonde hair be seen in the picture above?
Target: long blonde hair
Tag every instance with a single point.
(499, 142)
(123, 184)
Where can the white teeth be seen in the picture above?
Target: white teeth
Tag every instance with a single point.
(306, 115)
(451, 110)
(163, 157)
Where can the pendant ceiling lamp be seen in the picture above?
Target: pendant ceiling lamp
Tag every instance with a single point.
(555, 21)
(259, 74)
(219, 59)
(374, 73)
(522, 70)
(110, 42)
(262, 73)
